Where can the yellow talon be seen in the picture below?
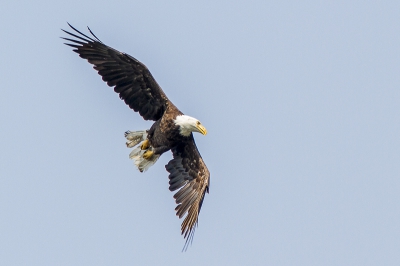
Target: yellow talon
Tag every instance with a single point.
(145, 145)
(148, 154)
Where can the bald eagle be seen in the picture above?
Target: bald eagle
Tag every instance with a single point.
(172, 130)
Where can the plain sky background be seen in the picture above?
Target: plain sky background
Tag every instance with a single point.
(301, 100)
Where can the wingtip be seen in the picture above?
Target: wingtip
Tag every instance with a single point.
(91, 32)
(189, 241)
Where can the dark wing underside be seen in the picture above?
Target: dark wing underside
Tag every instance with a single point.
(129, 77)
(190, 175)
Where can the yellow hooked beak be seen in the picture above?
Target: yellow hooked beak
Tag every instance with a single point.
(202, 129)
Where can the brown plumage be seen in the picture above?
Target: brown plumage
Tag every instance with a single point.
(138, 89)
(189, 173)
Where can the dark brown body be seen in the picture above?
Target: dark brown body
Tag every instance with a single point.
(164, 133)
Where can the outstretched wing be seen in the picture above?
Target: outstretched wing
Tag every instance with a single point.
(190, 175)
(129, 77)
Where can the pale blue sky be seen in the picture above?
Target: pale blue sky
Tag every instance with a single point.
(301, 100)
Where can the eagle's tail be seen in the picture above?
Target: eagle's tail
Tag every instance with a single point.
(134, 138)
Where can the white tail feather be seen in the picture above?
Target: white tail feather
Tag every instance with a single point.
(135, 138)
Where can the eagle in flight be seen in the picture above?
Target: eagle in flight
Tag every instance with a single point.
(172, 130)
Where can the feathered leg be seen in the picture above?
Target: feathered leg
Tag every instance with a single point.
(143, 155)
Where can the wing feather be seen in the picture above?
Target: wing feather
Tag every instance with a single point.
(122, 71)
(190, 175)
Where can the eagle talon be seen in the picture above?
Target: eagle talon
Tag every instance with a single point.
(148, 154)
(145, 145)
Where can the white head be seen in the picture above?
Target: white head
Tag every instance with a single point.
(188, 124)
